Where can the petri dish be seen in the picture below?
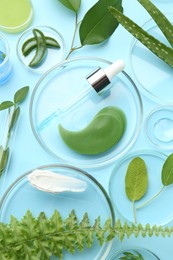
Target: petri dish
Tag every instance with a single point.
(5, 62)
(21, 196)
(159, 127)
(156, 212)
(61, 85)
(142, 253)
(16, 15)
(154, 77)
(52, 56)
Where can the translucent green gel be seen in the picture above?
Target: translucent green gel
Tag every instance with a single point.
(102, 133)
(15, 15)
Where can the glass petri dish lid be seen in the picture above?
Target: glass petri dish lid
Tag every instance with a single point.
(16, 15)
(142, 253)
(157, 211)
(61, 85)
(21, 196)
(153, 75)
(52, 55)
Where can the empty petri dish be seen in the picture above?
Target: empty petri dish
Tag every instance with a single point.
(157, 211)
(159, 127)
(52, 55)
(61, 85)
(153, 75)
(16, 15)
(22, 196)
(133, 253)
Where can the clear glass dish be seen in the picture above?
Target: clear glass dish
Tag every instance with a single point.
(16, 15)
(5, 62)
(21, 196)
(64, 83)
(154, 76)
(159, 127)
(145, 253)
(157, 212)
(53, 55)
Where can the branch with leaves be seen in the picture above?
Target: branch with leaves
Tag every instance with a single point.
(43, 237)
(97, 24)
(13, 112)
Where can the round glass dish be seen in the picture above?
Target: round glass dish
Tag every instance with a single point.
(159, 211)
(21, 196)
(16, 15)
(153, 75)
(142, 253)
(5, 62)
(61, 85)
(159, 127)
(52, 56)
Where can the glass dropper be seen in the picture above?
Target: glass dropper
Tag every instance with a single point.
(99, 81)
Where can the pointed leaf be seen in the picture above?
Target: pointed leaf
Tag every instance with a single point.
(3, 160)
(6, 104)
(98, 24)
(136, 179)
(161, 20)
(21, 94)
(15, 117)
(158, 48)
(73, 5)
(167, 171)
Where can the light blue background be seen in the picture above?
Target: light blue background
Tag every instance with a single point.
(26, 152)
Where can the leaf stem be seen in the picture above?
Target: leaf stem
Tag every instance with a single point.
(72, 48)
(151, 199)
(134, 211)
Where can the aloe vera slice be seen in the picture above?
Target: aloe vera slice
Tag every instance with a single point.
(31, 44)
(163, 23)
(158, 48)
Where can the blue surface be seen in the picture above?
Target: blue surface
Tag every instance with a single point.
(26, 151)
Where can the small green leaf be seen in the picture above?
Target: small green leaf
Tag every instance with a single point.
(161, 20)
(20, 95)
(3, 160)
(15, 117)
(6, 104)
(158, 48)
(136, 180)
(167, 171)
(98, 24)
(131, 256)
(73, 5)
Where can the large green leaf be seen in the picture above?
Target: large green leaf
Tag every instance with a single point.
(167, 171)
(73, 5)
(21, 94)
(136, 180)
(98, 24)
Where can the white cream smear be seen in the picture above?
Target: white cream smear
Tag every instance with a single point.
(49, 181)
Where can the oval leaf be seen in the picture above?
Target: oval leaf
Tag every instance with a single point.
(21, 94)
(167, 171)
(136, 180)
(98, 24)
(6, 104)
(73, 5)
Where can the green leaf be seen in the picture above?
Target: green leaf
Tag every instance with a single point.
(6, 104)
(20, 95)
(98, 24)
(4, 155)
(14, 118)
(136, 180)
(161, 20)
(167, 171)
(158, 48)
(73, 5)
(131, 256)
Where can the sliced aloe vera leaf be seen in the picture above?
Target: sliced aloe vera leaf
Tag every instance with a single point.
(31, 44)
(40, 50)
(158, 48)
(160, 19)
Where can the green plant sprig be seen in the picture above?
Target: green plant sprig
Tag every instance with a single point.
(43, 237)
(128, 255)
(97, 24)
(12, 118)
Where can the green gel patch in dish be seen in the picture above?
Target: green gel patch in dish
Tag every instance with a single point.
(102, 133)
